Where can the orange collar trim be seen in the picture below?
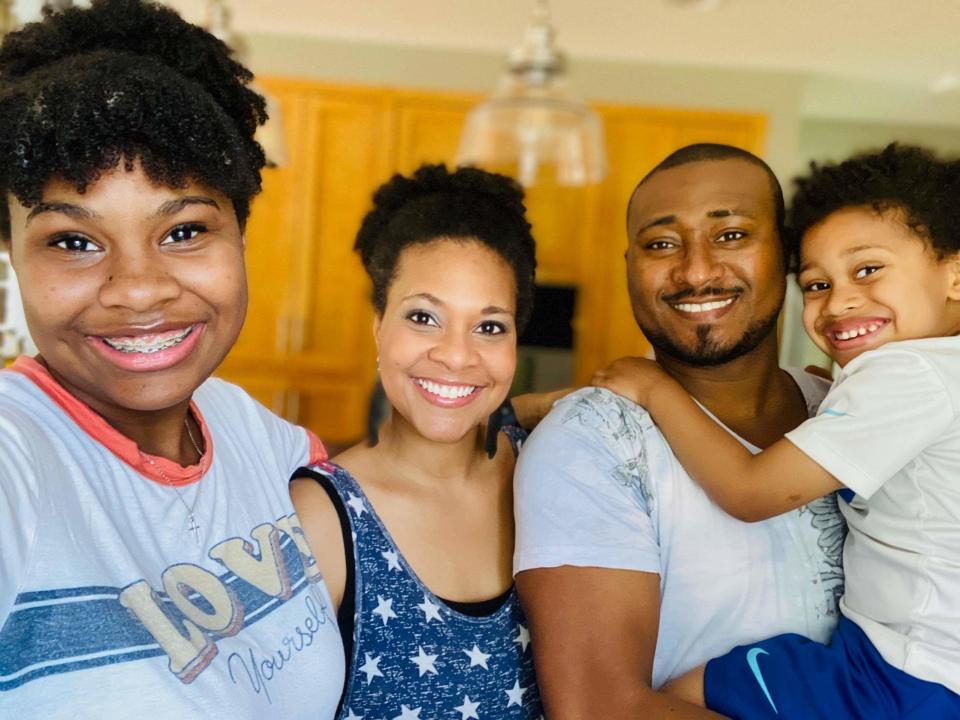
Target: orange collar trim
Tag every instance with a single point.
(158, 469)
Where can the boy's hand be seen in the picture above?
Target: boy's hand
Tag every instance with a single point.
(631, 377)
(531, 408)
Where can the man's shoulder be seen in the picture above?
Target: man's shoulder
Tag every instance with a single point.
(599, 442)
(596, 412)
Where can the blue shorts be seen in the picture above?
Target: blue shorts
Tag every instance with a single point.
(790, 677)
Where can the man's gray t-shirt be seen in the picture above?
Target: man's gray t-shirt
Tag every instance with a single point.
(598, 486)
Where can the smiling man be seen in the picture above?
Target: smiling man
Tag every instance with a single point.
(629, 574)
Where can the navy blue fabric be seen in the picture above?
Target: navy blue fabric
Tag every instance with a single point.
(413, 656)
(790, 676)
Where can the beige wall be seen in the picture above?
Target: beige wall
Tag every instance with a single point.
(834, 140)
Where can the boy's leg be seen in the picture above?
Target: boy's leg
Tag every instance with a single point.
(688, 687)
(792, 678)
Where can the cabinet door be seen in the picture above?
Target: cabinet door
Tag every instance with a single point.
(272, 246)
(637, 139)
(331, 351)
(428, 127)
(308, 329)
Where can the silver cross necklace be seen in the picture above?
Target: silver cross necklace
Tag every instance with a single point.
(193, 526)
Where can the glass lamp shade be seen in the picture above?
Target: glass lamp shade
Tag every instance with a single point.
(532, 126)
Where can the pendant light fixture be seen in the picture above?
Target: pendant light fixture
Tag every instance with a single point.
(533, 126)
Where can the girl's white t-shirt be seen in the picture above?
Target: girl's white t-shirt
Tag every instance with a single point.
(111, 607)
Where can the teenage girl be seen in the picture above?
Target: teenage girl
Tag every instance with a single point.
(151, 562)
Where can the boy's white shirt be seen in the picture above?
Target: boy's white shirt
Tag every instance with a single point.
(598, 486)
(888, 430)
(108, 606)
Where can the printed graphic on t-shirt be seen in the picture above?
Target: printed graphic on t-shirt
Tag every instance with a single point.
(633, 472)
(617, 422)
(181, 615)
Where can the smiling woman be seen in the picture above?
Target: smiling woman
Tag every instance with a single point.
(422, 520)
(150, 555)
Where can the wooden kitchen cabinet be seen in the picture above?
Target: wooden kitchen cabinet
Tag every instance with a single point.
(307, 350)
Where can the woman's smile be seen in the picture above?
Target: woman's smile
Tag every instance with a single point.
(445, 394)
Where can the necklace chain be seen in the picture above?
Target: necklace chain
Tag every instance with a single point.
(193, 441)
(194, 526)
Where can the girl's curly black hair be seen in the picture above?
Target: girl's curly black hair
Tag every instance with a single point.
(434, 203)
(901, 178)
(125, 80)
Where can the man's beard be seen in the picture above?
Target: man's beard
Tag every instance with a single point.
(708, 352)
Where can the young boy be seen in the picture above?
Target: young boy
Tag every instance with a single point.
(880, 274)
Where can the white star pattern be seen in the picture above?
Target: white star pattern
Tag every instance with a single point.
(393, 562)
(424, 662)
(357, 504)
(351, 716)
(523, 637)
(477, 657)
(408, 714)
(467, 711)
(384, 609)
(430, 609)
(371, 667)
(515, 694)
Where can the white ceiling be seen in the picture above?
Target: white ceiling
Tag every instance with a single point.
(911, 42)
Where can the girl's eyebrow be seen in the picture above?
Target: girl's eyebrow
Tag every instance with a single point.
(74, 211)
(78, 212)
(172, 207)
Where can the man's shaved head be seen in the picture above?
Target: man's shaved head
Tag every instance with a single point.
(707, 152)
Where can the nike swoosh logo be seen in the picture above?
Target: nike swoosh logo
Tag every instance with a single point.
(752, 654)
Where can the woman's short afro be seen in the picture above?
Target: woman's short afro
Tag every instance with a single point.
(435, 203)
(124, 81)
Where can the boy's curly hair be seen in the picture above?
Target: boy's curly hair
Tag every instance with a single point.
(903, 178)
(125, 80)
(434, 203)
